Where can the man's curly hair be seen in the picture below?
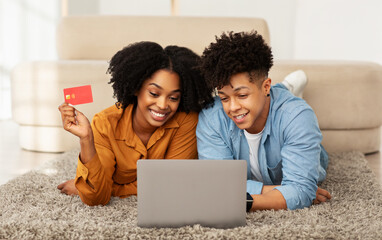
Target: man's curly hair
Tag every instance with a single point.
(132, 65)
(236, 53)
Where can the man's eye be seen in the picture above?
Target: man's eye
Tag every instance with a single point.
(223, 99)
(243, 96)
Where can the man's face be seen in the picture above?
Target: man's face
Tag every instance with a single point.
(245, 102)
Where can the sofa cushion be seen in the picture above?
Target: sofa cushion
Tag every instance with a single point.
(364, 140)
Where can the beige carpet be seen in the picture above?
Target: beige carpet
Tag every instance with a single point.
(32, 208)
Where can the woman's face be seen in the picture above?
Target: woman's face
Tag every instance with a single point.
(158, 99)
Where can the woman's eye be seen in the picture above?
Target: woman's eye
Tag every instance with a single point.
(174, 99)
(153, 94)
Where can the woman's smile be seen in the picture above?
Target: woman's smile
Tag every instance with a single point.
(158, 116)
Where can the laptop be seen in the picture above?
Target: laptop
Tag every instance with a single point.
(176, 193)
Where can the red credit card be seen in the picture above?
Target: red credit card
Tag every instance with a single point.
(78, 95)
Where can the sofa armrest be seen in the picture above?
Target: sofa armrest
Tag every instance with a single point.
(37, 89)
(343, 94)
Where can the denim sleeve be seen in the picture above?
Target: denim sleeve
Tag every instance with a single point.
(300, 159)
(254, 187)
(210, 141)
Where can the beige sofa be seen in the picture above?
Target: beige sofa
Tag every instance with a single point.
(346, 95)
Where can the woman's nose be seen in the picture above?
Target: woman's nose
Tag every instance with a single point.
(162, 103)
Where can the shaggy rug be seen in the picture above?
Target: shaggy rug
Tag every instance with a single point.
(31, 207)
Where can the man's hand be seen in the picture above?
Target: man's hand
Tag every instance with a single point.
(68, 187)
(321, 196)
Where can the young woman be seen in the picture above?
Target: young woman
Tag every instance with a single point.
(159, 93)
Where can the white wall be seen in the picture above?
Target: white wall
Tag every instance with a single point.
(279, 14)
(119, 7)
(82, 7)
(339, 29)
(299, 29)
(135, 7)
(27, 32)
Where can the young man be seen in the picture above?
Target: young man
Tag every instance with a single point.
(275, 131)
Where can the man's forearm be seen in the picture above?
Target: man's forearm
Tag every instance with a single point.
(269, 199)
(268, 188)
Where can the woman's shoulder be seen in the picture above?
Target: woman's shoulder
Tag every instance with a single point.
(110, 117)
(182, 117)
(110, 113)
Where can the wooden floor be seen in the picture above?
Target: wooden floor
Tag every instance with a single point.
(15, 161)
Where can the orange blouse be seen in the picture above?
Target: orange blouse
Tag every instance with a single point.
(113, 170)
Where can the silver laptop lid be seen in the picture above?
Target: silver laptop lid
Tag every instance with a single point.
(175, 193)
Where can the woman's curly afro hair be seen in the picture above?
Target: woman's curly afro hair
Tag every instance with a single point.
(236, 53)
(132, 65)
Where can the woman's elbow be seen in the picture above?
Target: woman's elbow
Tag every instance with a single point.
(95, 199)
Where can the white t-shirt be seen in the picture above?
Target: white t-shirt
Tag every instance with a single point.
(254, 143)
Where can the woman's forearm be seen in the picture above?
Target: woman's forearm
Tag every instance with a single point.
(87, 148)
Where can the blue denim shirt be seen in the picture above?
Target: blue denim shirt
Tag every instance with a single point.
(290, 152)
